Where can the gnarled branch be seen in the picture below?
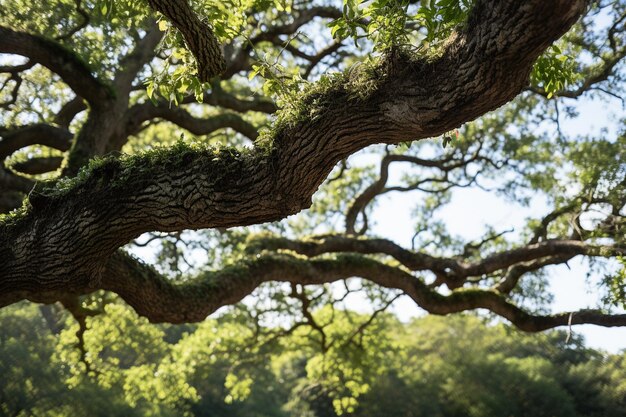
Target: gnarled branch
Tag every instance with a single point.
(65, 240)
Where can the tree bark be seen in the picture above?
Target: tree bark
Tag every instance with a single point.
(65, 241)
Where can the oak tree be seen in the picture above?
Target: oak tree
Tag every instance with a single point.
(130, 120)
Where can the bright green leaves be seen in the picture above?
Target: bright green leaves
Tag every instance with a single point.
(176, 76)
(104, 7)
(553, 71)
(130, 356)
(616, 285)
(174, 83)
(239, 388)
(381, 21)
(390, 23)
(354, 358)
(120, 13)
(279, 81)
(439, 18)
(228, 18)
(121, 9)
(387, 25)
(432, 366)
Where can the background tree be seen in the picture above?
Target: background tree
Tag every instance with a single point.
(104, 140)
(432, 366)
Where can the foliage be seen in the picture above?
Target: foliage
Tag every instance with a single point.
(390, 23)
(553, 71)
(428, 367)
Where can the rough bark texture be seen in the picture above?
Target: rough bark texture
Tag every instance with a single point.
(199, 37)
(68, 241)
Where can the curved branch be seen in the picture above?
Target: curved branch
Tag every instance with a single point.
(12, 182)
(160, 300)
(15, 76)
(37, 134)
(64, 239)
(10, 201)
(240, 60)
(84, 22)
(69, 110)
(140, 113)
(227, 101)
(378, 187)
(141, 54)
(41, 165)
(452, 269)
(74, 72)
(515, 273)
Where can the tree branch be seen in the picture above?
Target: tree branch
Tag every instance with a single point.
(378, 187)
(199, 37)
(10, 181)
(41, 165)
(454, 270)
(74, 72)
(219, 98)
(69, 110)
(133, 62)
(161, 300)
(63, 241)
(37, 134)
(143, 112)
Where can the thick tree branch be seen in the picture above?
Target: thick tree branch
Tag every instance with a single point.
(63, 241)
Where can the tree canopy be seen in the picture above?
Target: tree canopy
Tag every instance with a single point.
(431, 367)
(162, 160)
(130, 124)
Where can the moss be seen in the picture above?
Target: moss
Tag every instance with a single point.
(469, 295)
(15, 216)
(113, 172)
(358, 83)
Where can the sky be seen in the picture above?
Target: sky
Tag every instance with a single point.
(467, 214)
